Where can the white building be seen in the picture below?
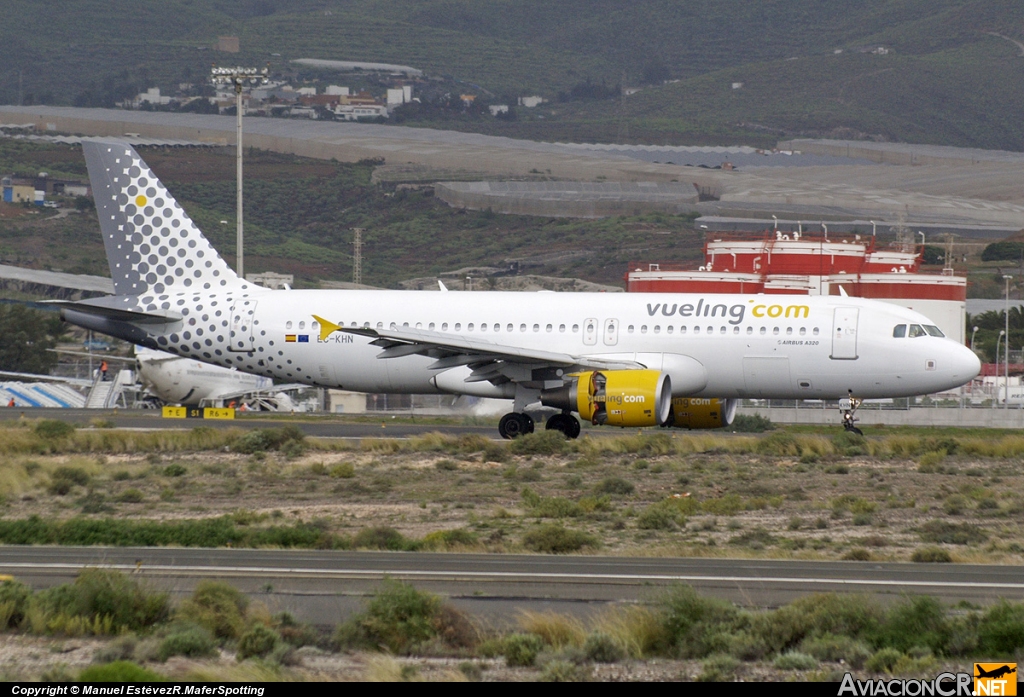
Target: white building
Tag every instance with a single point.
(396, 96)
(496, 109)
(152, 95)
(531, 102)
(355, 112)
(337, 91)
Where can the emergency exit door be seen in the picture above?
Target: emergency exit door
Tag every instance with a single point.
(844, 333)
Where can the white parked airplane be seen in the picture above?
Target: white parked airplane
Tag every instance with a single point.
(617, 359)
(186, 381)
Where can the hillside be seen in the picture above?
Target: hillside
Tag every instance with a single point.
(299, 215)
(946, 77)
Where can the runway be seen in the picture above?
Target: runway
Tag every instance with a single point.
(369, 426)
(327, 586)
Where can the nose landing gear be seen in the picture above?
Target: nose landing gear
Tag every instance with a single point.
(847, 408)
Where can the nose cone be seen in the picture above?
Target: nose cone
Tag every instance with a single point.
(964, 364)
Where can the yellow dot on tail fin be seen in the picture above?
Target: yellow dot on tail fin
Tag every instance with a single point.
(140, 201)
(326, 327)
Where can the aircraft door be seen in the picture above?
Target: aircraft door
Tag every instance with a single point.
(242, 312)
(590, 331)
(844, 333)
(611, 332)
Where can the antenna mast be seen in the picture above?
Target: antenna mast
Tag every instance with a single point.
(357, 255)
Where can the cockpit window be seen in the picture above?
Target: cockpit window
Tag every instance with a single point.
(916, 330)
(899, 331)
(933, 330)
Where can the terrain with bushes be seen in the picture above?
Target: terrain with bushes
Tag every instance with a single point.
(108, 627)
(900, 495)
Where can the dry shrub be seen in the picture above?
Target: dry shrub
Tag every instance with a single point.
(556, 630)
(637, 629)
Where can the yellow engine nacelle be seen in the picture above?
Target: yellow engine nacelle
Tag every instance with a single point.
(616, 397)
(699, 413)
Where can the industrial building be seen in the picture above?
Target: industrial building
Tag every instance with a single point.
(778, 263)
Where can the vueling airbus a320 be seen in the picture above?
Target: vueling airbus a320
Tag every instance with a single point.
(616, 359)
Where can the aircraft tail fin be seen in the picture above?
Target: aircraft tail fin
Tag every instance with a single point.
(153, 247)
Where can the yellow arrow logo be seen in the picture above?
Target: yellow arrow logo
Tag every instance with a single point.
(326, 327)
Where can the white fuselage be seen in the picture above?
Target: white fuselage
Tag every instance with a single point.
(178, 380)
(779, 346)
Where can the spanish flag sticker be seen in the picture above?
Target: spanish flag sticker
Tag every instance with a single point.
(289, 338)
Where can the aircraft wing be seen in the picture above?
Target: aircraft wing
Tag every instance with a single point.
(45, 378)
(487, 358)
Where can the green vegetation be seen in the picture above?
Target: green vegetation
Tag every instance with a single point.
(813, 73)
(816, 632)
(25, 336)
(300, 214)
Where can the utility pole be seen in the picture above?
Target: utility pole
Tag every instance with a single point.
(239, 77)
(1006, 369)
(357, 255)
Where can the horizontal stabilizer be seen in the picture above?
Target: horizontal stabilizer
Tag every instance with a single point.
(117, 314)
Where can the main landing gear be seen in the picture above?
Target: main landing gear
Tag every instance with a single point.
(848, 407)
(514, 425)
(566, 423)
(519, 424)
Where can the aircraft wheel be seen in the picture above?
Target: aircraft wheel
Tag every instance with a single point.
(514, 425)
(529, 422)
(854, 429)
(566, 423)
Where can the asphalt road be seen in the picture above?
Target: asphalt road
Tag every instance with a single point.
(325, 587)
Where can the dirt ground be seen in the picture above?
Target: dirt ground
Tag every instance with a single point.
(723, 500)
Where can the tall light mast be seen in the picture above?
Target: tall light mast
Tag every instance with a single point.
(240, 78)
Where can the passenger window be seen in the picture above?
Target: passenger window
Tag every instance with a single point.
(630, 329)
(536, 327)
(458, 326)
(789, 331)
(750, 330)
(444, 326)
(775, 331)
(933, 330)
(682, 329)
(483, 326)
(711, 330)
(393, 325)
(302, 325)
(561, 328)
(763, 330)
(430, 326)
(315, 326)
(497, 327)
(469, 327)
(643, 329)
(670, 329)
(548, 328)
(803, 331)
(721, 330)
(899, 331)
(522, 327)
(696, 330)
(510, 328)
(419, 325)
(657, 329)
(575, 328)
(916, 330)
(405, 324)
(288, 324)
(735, 330)
(815, 332)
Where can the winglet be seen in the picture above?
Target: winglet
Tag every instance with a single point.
(326, 327)
(842, 292)
(441, 285)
